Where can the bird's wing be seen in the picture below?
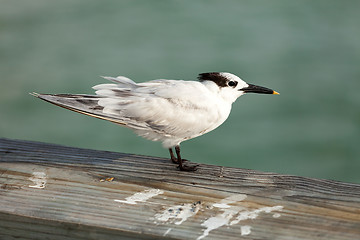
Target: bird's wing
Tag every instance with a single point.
(154, 109)
(87, 105)
(173, 108)
(121, 81)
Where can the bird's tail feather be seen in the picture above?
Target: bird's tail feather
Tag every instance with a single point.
(84, 104)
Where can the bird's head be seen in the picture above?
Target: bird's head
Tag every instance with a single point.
(231, 86)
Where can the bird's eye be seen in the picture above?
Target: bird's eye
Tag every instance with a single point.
(232, 83)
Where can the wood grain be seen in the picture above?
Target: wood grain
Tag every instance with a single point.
(49, 191)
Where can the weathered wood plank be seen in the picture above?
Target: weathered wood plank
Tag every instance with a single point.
(54, 192)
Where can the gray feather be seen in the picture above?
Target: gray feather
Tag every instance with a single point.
(88, 105)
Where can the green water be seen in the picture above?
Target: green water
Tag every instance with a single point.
(309, 51)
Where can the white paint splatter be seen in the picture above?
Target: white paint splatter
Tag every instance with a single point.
(245, 215)
(167, 232)
(234, 213)
(233, 198)
(245, 230)
(223, 218)
(276, 215)
(39, 179)
(141, 196)
(181, 212)
(219, 220)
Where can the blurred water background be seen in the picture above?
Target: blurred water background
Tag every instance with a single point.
(307, 50)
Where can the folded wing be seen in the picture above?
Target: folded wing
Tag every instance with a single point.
(155, 110)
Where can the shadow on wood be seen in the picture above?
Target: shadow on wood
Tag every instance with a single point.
(54, 192)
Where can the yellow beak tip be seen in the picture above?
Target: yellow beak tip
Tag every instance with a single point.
(276, 93)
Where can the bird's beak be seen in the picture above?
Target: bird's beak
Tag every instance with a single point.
(257, 89)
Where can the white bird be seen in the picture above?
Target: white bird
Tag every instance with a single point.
(169, 111)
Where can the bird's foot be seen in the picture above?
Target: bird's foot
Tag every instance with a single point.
(187, 166)
(174, 160)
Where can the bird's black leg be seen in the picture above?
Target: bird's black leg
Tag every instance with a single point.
(172, 157)
(181, 161)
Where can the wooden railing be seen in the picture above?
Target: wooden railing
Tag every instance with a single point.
(49, 191)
